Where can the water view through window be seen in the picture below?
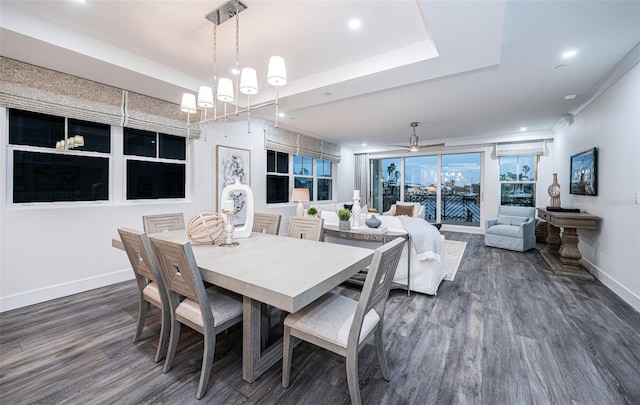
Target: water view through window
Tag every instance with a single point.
(448, 186)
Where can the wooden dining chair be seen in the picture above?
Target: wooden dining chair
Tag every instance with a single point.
(266, 223)
(163, 222)
(305, 228)
(208, 311)
(342, 325)
(151, 287)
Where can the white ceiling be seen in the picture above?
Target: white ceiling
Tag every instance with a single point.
(466, 71)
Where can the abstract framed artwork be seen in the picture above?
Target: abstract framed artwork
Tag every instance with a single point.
(584, 173)
(233, 164)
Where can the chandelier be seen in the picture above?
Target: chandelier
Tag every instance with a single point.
(227, 90)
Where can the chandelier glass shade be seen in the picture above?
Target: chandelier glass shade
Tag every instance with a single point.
(227, 90)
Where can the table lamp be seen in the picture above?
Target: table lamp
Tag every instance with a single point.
(301, 195)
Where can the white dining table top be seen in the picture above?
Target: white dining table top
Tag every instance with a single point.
(284, 272)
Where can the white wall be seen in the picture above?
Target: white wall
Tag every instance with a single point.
(612, 124)
(51, 250)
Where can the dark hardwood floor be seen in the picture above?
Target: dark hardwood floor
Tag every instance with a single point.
(506, 331)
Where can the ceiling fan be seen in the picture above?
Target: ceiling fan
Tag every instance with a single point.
(413, 141)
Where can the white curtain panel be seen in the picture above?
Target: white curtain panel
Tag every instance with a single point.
(361, 181)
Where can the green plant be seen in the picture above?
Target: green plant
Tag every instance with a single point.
(312, 211)
(344, 214)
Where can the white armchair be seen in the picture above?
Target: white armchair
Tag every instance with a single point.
(417, 211)
(513, 229)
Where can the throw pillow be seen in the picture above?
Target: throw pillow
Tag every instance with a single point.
(406, 210)
(510, 220)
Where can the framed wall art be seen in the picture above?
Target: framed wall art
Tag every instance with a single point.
(584, 173)
(233, 164)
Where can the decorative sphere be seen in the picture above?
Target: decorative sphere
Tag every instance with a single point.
(554, 190)
(205, 227)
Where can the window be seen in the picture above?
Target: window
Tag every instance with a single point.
(518, 178)
(301, 170)
(447, 186)
(325, 180)
(51, 164)
(277, 177)
(159, 169)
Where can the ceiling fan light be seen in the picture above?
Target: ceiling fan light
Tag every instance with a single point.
(205, 97)
(188, 104)
(225, 90)
(277, 73)
(413, 148)
(249, 81)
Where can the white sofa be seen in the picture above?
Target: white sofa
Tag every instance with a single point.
(426, 274)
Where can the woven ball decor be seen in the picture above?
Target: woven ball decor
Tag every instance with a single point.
(205, 227)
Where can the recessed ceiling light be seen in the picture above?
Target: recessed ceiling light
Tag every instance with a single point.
(569, 54)
(281, 114)
(522, 129)
(80, 1)
(569, 96)
(354, 24)
(327, 94)
(363, 144)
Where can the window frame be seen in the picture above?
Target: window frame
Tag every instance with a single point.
(292, 177)
(11, 149)
(126, 158)
(519, 181)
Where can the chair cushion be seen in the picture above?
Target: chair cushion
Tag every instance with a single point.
(330, 318)
(510, 220)
(152, 294)
(406, 210)
(225, 307)
(505, 230)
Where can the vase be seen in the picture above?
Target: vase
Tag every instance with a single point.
(373, 222)
(355, 212)
(344, 225)
(554, 192)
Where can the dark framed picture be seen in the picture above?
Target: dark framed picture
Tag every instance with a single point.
(584, 173)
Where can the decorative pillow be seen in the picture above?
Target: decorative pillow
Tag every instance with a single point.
(511, 220)
(348, 206)
(406, 210)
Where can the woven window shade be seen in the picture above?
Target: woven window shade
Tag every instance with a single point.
(33, 88)
(152, 114)
(520, 148)
(283, 140)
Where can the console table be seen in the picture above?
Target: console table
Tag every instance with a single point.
(372, 236)
(563, 255)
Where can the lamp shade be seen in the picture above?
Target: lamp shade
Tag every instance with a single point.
(78, 141)
(205, 97)
(249, 81)
(277, 73)
(300, 194)
(225, 90)
(188, 104)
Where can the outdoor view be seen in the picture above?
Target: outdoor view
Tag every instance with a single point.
(453, 200)
(517, 180)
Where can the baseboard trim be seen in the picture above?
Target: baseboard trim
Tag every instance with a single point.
(62, 290)
(621, 291)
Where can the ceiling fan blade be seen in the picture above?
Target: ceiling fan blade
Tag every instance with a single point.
(433, 145)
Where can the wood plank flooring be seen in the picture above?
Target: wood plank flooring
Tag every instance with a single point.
(506, 331)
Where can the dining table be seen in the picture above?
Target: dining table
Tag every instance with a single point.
(284, 272)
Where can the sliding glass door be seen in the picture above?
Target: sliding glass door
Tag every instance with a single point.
(460, 189)
(386, 182)
(448, 186)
